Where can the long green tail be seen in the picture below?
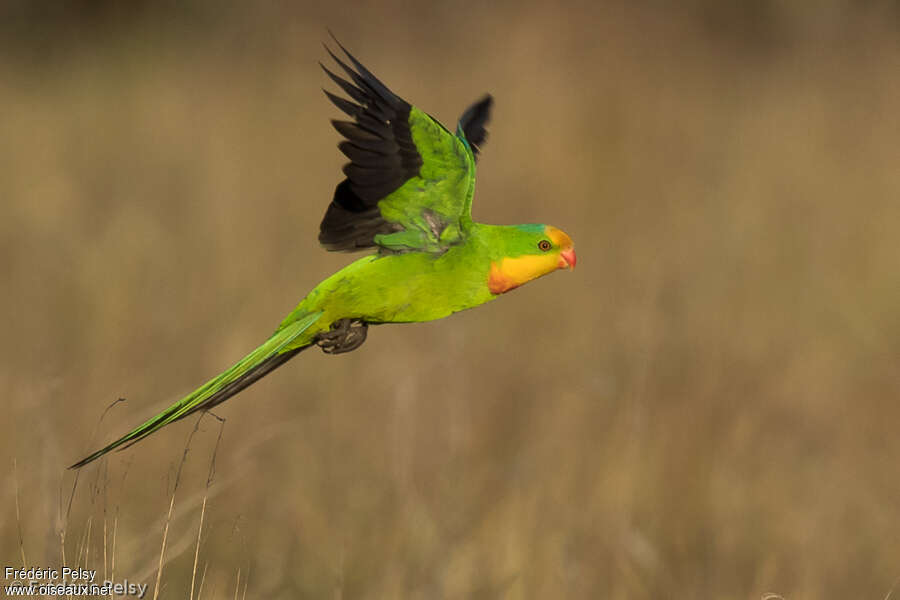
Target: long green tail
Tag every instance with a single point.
(273, 353)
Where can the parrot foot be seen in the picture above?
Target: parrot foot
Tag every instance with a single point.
(345, 335)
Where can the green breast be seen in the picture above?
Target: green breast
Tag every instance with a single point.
(402, 288)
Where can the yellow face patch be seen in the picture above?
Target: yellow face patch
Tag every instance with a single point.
(559, 237)
(510, 273)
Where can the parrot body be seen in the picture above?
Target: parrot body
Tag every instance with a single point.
(408, 194)
(413, 287)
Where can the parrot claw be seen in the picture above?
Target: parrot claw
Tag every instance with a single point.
(345, 335)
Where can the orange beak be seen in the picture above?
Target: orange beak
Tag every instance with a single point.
(569, 257)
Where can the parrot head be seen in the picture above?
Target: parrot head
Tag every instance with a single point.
(530, 251)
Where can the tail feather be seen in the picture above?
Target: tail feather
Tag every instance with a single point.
(250, 369)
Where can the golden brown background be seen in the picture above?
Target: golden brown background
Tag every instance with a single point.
(706, 408)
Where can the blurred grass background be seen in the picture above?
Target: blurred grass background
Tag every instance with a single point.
(706, 408)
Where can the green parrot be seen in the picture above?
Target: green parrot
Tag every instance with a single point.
(408, 195)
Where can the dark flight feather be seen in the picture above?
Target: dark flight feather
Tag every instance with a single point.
(348, 88)
(354, 132)
(473, 122)
(353, 110)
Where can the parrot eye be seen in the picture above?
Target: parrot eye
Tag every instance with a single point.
(544, 245)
